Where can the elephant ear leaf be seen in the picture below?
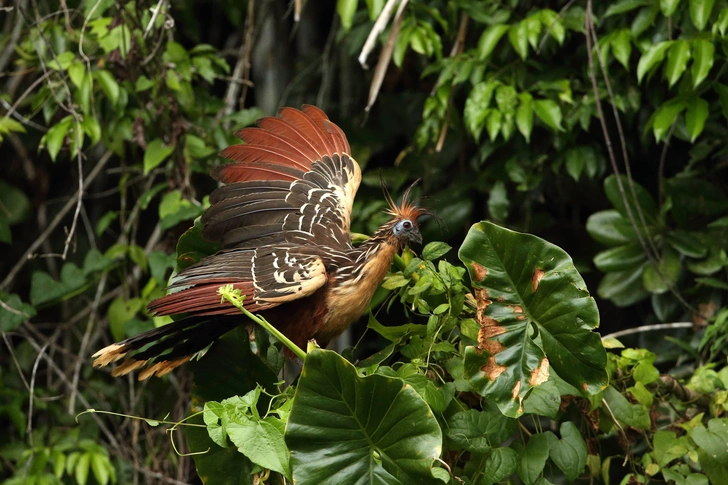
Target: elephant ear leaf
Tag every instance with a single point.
(535, 314)
(350, 430)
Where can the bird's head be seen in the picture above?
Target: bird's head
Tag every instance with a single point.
(404, 225)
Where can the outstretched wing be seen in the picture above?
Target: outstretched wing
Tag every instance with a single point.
(287, 203)
(292, 182)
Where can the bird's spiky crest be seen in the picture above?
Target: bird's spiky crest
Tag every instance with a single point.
(407, 209)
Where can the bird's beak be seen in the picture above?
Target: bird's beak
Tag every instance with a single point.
(415, 236)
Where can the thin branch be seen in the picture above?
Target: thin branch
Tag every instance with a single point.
(297, 9)
(663, 158)
(649, 328)
(10, 46)
(249, 29)
(385, 56)
(84, 343)
(377, 29)
(56, 220)
(9, 345)
(79, 199)
(155, 14)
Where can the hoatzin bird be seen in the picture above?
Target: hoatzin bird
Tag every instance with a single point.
(282, 218)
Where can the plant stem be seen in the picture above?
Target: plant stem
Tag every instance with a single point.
(233, 296)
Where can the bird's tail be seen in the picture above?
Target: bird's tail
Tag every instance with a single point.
(166, 347)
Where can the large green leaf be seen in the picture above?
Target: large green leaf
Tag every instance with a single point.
(611, 228)
(534, 310)
(645, 202)
(344, 429)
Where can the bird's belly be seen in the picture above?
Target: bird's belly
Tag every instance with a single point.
(348, 300)
(345, 306)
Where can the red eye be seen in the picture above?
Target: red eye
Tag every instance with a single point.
(407, 225)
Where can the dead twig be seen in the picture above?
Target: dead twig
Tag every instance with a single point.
(377, 29)
(385, 56)
(649, 328)
(84, 343)
(155, 14)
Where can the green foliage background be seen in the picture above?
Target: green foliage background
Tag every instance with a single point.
(598, 126)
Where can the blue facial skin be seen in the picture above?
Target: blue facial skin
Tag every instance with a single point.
(406, 229)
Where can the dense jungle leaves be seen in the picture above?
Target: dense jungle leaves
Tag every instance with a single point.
(597, 126)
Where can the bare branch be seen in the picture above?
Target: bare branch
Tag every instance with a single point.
(385, 56)
(377, 29)
(649, 328)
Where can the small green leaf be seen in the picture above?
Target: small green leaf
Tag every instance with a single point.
(665, 116)
(703, 54)
(10, 320)
(620, 258)
(669, 272)
(82, 468)
(62, 61)
(489, 39)
(120, 312)
(100, 467)
(544, 400)
(533, 458)
(652, 58)
(552, 22)
(518, 35)
(44, 289)
(524, 115)
(644, 201)
(493, 124)
(108, 85)
(677, 60)
(498, 203)
(261, 441)
(668, 7)
(695, 117)
(476, 106)
(722, 24)
(700, 12)
(346, 10)
(173, 209)
(549, 112)
(713, 440)
(156, 153)
(622, 46)
(105, 221)
(644, 19)
(624, 6)
(77, 73)
(500, 463)
(635, 415)
(568, 453)
(478, 431)
(435, 250)
(56, 136)
(92, 128)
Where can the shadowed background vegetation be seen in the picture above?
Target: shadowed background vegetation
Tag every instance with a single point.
(113, 113)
